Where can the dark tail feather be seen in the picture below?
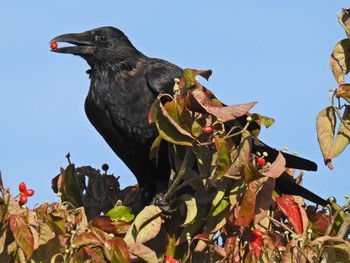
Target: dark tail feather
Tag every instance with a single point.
(286, 185)
(292, 161)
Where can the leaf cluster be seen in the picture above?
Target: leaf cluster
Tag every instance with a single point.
(333, 138)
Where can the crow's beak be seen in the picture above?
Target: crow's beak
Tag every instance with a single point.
(84, 44)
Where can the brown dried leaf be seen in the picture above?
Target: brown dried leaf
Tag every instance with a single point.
(264, 199)
(325, 125)
(142, 252)
(240, 156)
(345, 20)
(228, 113)
(342, 138)
(340, 59)
(276, 168)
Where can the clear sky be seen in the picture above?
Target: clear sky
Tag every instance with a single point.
(273, 52)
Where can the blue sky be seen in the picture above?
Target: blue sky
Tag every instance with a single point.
(267, 51)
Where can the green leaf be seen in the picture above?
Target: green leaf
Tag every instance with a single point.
(220, 207)
(190, 78)
(238, 189)
(251, 173)
(262, 120)
(71, 190)
(191, 206)
(155, 148)
(122, 213)
(223, 159)
(169, 130)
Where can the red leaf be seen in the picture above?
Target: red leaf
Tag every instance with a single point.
(246, 211)
(292, 210)
(118, 250)
(22, 234)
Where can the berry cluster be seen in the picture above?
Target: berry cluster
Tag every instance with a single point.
(23, 198)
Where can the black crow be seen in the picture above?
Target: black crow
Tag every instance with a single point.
(124, 84)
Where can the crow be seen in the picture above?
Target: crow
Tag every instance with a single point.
(123, 85)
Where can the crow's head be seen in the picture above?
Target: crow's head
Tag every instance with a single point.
(103, 44)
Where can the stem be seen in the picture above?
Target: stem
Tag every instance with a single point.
(337, 111)
(229, 135)
(170, 193)
(281, 225)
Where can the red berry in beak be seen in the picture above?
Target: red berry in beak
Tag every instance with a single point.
(53, 45)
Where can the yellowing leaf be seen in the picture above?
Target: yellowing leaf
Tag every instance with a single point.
(147, 223)
(223, 161)
(191, 206)
(169, 130)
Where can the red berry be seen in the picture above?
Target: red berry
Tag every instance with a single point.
(30, 192)
(207, 129)
(258, 233)
(23, 199)
(169, 259)
(257, 251)
(105, 167)
(22, 187)
(261, 161)
(53, 45)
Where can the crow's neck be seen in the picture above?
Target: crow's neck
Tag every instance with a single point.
(115, 62)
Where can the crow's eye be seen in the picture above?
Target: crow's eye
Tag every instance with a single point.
(100, 38)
